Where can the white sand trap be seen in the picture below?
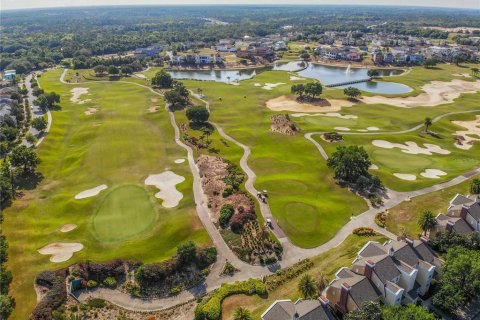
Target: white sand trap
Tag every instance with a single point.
(179, 161)
(257, 84)
(153, 109)
(67, 227)
(154, 100)
(284, 103)
(435, 93)
(373, 128)
(60, 251)
(405, 176)
(466, 137)
(341, 128)
(328, 114)
(270, 86)
(465, 75)
(90, 111)
(362, 130)
(373, 167)
(166, 182)
(140, 75)
(411, 147)
(433, 173)
(91, 192)
(293, 78)
(76, 93)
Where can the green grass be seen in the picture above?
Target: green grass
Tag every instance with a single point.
(121, 144)
(326, 263)
(124, 212)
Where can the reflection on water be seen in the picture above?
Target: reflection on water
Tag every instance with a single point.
(325, 74)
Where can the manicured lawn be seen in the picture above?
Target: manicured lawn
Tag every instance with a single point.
(121, 144)
(124, 212)
(404, 217)
(326, 263)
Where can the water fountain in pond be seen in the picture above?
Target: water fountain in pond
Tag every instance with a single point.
(348, 71)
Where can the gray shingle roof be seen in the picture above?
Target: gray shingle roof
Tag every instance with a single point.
(474, 211)
(386, 270)
(462, 227)
(281, 310)
(407, 255)
(312, 310)
(372, 249)
(364, 291)
(423, 251)
(460, 199)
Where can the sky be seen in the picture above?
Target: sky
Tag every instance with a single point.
(25, 4)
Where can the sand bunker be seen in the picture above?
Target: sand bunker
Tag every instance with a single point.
(373, 167)
(435, 93)
(90, 111)
(293, 78)
(91, 192)
(373, 128)
(284, 103)
(466, 138)
(179, 161)
(433, 173)
(465, 75)
(154, 100)
(140, 75)
(341, 128)
(166, 182)
(328, 114)
(153, 109)
(257, 84)
(270, 86)
(404, 176)
(411, 147)
(67, 227)
(76, 93)
(60, 251)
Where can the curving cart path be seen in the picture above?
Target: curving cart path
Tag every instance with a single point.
(292, 253)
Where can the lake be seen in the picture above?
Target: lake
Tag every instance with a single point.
(325, 74)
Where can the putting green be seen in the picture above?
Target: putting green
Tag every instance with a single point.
(125, 212)
(398, 160)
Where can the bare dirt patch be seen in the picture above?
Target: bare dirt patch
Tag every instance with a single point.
(284, 103)
(90, 111)
(153, 109)
(154, 100)
(60, 251)
(411, 147)
(465, 75)
(76, 93)
(68, 227)
(91, 192)
(281, 123)
(466, 138)
(166, 182)
(435, 93)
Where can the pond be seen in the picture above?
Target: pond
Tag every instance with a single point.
(325, 74)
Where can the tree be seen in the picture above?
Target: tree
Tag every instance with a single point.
(42, 102)
(427, 221)
(100, 69)
(298, 89)
(408, 312)
(349, 163)
(242, 313)
(460, 280)
(352, 92)
(367, 311)
(113, 70)
(373, 73)
(175, 100)
(313, 89)
(162, 79)
(428, 123)
(40, 123)
(187, 253)
(475, 186)
(474, 71)
(305, 56)
(7, 305)
(24, 158)
(126, 70)
(6, 192)
(429, 63)
(457, 60)
(307, 287)
(198, 114)
(322, 282)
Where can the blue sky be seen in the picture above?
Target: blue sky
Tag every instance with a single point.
(21, 4)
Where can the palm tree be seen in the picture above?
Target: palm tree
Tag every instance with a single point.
(427, 221)
(242, 313)
(322, 282)
(428, 122)
(307, 286)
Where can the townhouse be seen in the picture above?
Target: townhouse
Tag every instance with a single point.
(315, 309)
(462, 216)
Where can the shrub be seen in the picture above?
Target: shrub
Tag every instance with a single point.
(175, 290)
(364, 231)
(282, 275)
(225, 214)
(239, 219)
(92, 283)
(54, 298)
(228, 191)
(210, 307)
(101, 271)
(110, 282)
(380, 219)
(132, 288)
(206, 257)
(96, 303)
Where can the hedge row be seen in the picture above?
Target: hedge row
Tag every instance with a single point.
(283, 275)
(210, 308)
